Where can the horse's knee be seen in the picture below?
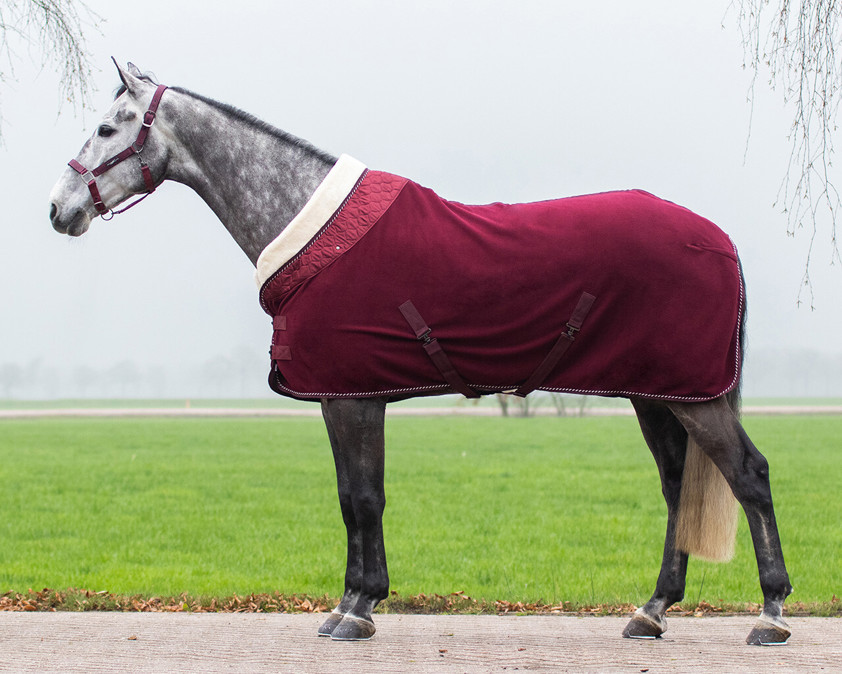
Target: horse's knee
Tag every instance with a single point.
(368, 508)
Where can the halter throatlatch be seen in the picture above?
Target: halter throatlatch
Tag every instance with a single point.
(134, 149)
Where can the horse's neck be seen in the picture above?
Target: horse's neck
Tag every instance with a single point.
(254, 179)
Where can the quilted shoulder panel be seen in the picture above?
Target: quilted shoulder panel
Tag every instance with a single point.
(368, 201)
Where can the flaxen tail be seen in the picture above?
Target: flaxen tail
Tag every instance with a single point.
(707, 511)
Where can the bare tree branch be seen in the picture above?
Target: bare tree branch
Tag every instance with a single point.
(53, 32)
(795, 40)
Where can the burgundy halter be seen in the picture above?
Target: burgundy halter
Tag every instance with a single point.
(135, 148)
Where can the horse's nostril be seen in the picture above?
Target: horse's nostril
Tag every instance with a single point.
(53, 211)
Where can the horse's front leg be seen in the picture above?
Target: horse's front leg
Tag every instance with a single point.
(355, 429)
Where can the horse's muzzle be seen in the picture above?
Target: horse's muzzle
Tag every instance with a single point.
(75, 225)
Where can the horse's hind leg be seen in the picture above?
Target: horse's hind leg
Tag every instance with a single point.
(716, 429)
(355, 429)
(667, 441)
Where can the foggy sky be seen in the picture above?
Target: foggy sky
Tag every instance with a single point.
(482, 101)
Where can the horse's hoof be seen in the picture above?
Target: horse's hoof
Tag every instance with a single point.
(330, 624)
(352, 628)
(641, 626)
(768, 634)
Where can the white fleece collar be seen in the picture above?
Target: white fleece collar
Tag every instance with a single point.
(327, 198)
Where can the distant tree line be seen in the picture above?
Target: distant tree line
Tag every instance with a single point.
(793, 373)
(241, 373)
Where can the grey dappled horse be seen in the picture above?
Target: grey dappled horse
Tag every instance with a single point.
(256, 179)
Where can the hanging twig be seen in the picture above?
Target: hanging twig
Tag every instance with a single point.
(53, 32)
(796, 41)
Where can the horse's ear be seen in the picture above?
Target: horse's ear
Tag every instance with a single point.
(130, 77)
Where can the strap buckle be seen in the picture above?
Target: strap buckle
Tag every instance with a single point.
(580, 313)
(433, 348)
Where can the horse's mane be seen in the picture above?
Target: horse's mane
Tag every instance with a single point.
(257, 123)
(242, 116)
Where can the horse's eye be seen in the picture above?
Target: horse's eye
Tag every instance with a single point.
(104, 131)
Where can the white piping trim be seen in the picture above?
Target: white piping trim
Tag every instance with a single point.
(327, 198)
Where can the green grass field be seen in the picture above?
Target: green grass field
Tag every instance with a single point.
(515, 509)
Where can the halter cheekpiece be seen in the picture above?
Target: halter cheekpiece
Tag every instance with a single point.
(134, 149)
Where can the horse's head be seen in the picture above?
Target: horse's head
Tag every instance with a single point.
(99, 179)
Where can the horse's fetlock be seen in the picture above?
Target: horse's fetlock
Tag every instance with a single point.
(674, 596)
(378, 589)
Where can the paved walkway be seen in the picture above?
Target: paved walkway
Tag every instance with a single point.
(166, 642)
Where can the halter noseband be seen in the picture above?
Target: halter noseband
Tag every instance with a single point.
(135, 148)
